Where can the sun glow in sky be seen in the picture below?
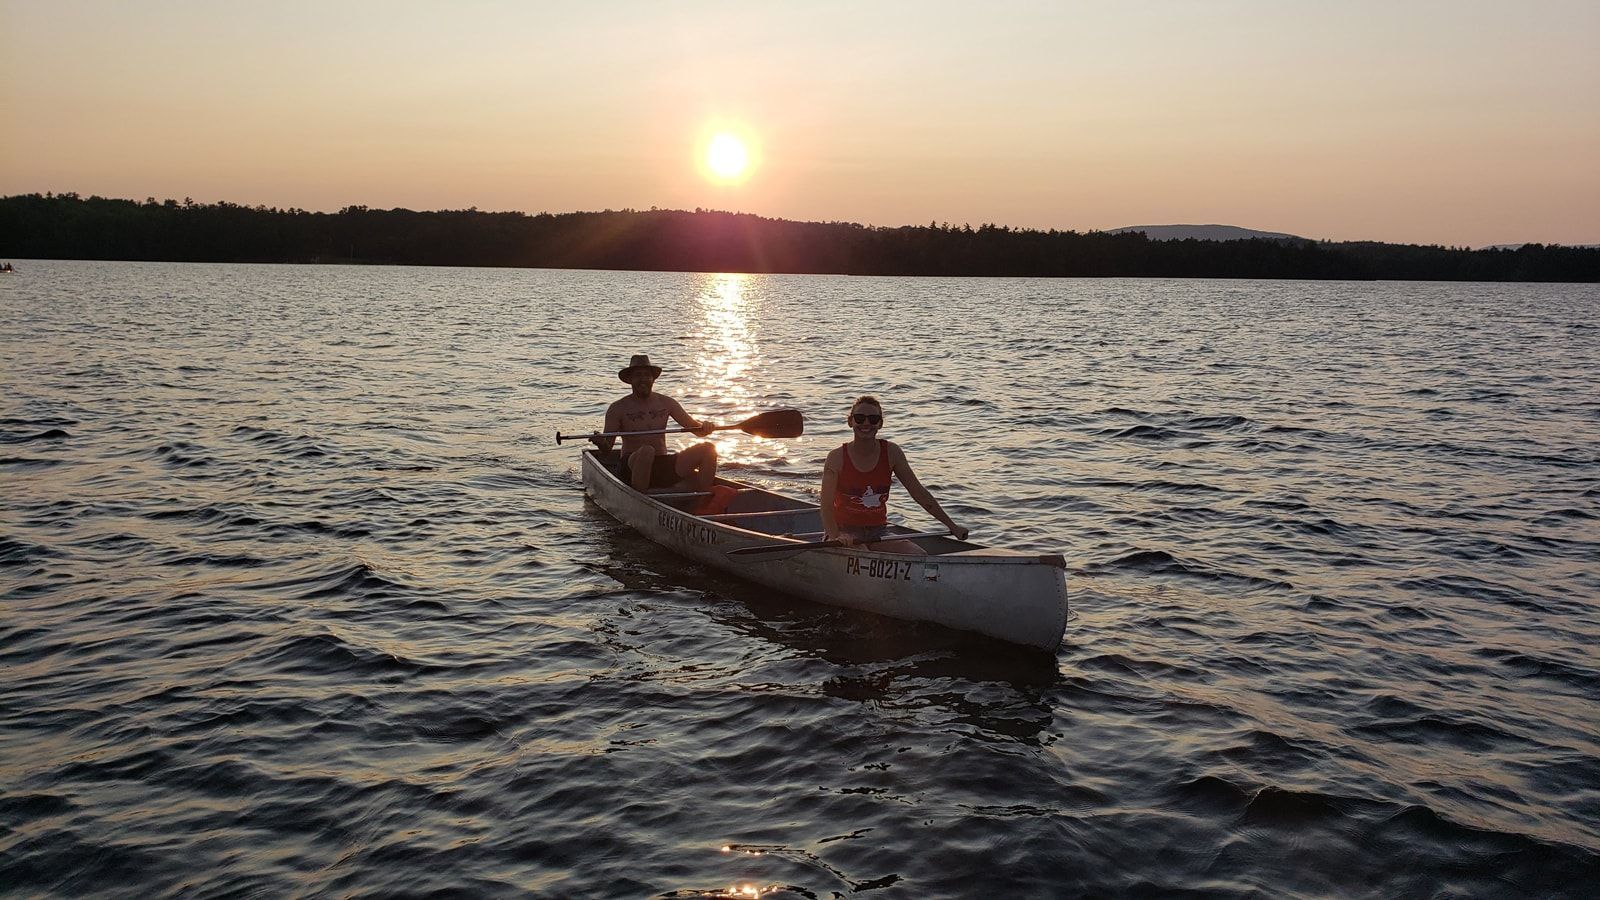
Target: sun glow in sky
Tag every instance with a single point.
(1469, 122)
(727, 154)
(727, 157)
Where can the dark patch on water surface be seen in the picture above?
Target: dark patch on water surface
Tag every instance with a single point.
(25, 463)
(1460, 733)
(327, 654)
(1159, 562)
(221, 560)
(1527, 665)
(53, 434)
(1145, 432)
(211, 514)
(15, 552)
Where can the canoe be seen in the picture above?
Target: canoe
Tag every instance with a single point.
(1006, 594)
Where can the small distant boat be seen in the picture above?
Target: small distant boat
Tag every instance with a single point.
(1006, 594)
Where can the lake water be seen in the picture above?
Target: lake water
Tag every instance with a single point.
(301, 596)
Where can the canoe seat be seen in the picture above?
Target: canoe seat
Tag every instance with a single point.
(760, 514)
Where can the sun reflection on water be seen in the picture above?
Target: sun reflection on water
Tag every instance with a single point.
(729, 349)
(729, 358)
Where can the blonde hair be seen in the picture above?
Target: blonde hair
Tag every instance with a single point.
(866, 398)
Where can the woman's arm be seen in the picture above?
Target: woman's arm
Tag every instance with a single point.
(830, 486)
(924, 498)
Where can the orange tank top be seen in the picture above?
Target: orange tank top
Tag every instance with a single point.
(862, 498)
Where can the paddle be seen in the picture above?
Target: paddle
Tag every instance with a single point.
(802, 546)
(775, 423)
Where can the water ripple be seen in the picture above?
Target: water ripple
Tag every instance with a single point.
(301, 598)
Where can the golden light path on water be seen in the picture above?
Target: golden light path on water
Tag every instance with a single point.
(728, 355)
(727, 358)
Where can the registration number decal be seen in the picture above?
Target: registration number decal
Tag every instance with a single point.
(688, 529)
(893, 569)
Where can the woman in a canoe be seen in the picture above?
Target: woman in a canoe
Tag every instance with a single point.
(855, 485)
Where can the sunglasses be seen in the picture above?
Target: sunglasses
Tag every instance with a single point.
(864, 419)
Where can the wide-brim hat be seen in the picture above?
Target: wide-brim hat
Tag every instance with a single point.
(639, 361)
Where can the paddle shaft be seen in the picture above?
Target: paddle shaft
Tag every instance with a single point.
(584, 437)
(776, 423)
(819, 545)
(571, 437)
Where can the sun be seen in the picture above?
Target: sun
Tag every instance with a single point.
(727, 157)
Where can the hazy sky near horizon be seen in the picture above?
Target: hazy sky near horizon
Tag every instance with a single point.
(1462, 123)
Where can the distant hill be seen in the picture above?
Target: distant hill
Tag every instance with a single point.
(1520, 246)
(1205, 233)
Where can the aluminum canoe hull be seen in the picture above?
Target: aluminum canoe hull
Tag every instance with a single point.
(1016, 597)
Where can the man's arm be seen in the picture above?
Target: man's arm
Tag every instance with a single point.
(908, 478)
(613, 422)
(675, 410)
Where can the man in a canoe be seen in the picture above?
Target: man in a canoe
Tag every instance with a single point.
(855, 485)
(645, 460)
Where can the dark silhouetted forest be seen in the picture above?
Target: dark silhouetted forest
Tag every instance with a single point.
(67, 226)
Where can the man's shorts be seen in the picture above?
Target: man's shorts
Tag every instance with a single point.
(663, 472)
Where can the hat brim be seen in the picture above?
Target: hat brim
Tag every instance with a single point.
(623, 375)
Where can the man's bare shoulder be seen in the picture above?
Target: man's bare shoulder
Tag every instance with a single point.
(630, 402)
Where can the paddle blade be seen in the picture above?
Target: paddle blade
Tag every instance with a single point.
(777, 423)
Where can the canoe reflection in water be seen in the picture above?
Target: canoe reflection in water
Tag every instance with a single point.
(960, 679)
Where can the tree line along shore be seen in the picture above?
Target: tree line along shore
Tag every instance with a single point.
(67, 226)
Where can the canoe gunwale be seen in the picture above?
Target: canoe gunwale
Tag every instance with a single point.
(767, 537)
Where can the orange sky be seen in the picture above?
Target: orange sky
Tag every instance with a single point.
(1462, 123)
